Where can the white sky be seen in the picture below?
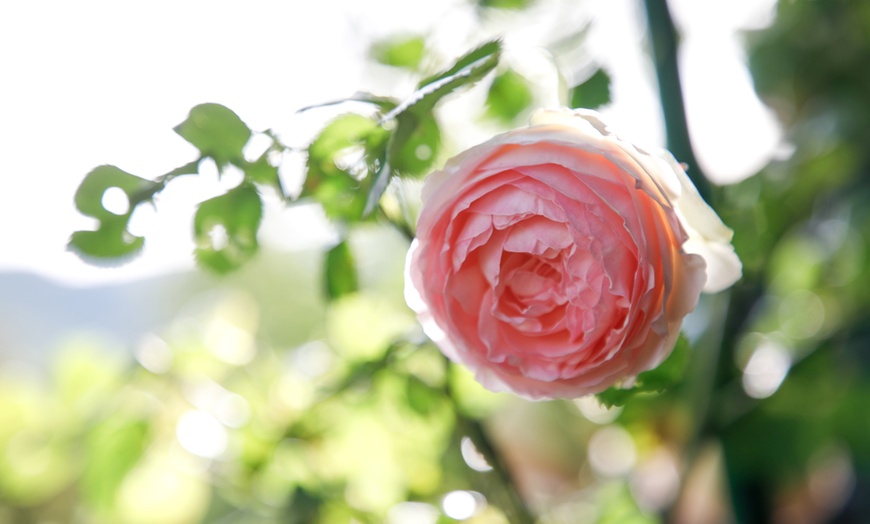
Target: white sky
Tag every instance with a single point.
(96, 82)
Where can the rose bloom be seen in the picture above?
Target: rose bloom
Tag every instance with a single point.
(559, 260)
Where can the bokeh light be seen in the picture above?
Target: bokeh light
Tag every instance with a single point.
(201, 434)
(766, 369)
(612, 452)
(472, 456)
(595, 411)
(462, 505)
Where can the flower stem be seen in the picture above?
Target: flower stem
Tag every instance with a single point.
(510, 500)
(663, 37)
(514, 507)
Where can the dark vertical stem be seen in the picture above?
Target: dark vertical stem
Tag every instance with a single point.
(663, 37)
(511, 501)
(513, 505)
(747, 496)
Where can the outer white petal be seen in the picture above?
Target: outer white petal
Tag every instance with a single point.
(708, 236)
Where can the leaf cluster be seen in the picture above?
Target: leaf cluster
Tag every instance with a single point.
(224, 227)
(349, 165)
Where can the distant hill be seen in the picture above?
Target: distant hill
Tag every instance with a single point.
(37, 314)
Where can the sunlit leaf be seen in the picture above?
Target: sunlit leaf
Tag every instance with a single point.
(416, 142)
(25, 485)
(261, 171)
(617, 506)
(472, 398)
(156, 490)
(83, 374)
(667, 375)
(363, 327)
(505, 4)
(379, 185)
(225, 228)
(467, 70)
(216, 131)
(304, 506)
(508, 96)
(111, 239)
(593, 93)
(403, 51)
(337, 137)
(422, 398)
(113, 448)
(341, 275)
(341, 164)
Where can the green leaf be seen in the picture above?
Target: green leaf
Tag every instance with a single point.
(593, 93)
(505, 4)
(113, 449)
(262, 172)
(667, 375)
(111, 239)
(416, 142)
(225, 228)
(379, 185)
(403, 51)
(305, 506)
(339, 135)
(216, 131)
(508, 96)
(616, 505)
(342, 163)
(411, 151)
(670, 372)
(467, 70)
(384, 103)
(422, 398)
(341, 275)
(190, 168)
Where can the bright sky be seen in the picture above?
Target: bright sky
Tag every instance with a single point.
(103, 82)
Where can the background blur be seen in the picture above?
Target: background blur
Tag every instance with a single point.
(152, 392)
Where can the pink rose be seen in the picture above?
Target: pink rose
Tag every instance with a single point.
(559, 260)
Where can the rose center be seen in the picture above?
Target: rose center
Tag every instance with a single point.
(529, 289)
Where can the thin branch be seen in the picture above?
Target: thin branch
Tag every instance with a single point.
(663, 37)
(514, 506)
(511, 501)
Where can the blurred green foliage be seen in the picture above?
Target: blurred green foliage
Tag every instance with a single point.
(665, 376)
(505, 4)
(593, 92)
(802, 230)
(402, 51)
(509, 95)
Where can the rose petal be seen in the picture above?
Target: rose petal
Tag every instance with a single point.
(558, 260)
